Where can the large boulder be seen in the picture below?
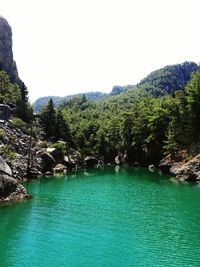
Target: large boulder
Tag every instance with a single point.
(56, 153)
(48, 162)
(10, 189)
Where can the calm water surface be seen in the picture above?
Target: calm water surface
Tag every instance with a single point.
(109, 217)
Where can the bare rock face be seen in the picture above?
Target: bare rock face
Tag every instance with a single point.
(7, 62)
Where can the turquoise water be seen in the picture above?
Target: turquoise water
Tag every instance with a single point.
(108, 217)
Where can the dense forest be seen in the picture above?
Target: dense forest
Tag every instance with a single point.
(160, 115)
(58, 100)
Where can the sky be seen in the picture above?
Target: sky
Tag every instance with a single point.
(64, 47)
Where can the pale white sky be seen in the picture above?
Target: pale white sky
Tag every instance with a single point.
(64, 47)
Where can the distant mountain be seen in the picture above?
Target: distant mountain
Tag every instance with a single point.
(168, 79)
(158, 83)
(58, 100)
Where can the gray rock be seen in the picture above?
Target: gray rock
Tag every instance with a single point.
(7, 185)
(166, 163)
(151, 168)
(7, 62)
(48, 162)
(10, 189)
(4, 168)
(189, 171)
(18, 141)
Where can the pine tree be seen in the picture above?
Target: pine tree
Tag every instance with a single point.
(48, 119)
(192, 91)
(62, 130)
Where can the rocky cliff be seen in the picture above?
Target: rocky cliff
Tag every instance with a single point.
(7, 62)
(14, 154)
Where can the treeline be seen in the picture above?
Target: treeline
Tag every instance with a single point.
(136, 122)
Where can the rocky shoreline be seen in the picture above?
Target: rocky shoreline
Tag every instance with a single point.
(23, 157)
(184, 168)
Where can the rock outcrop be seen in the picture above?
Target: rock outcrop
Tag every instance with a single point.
(48, 162)
(189, 171)
(170, 161)
(10, 189)
(7, 62)
(14, 148)
(181, 166)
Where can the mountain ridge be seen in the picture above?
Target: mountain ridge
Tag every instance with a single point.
(162, 81)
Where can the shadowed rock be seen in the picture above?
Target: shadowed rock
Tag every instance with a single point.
(90, 161)
(6, 112)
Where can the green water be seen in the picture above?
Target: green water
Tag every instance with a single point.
(108, 217)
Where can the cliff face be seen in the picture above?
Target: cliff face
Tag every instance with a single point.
(7, 62)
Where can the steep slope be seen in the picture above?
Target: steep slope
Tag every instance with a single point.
(7, 62)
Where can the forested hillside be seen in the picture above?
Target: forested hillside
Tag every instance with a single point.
(158, 116)
(158, 83)
(136, 122)
(169, 79)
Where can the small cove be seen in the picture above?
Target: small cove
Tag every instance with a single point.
(114, 216)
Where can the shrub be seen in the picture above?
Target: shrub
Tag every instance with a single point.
(2, 134)
(17, 122)
(60, 145)
(9, 153)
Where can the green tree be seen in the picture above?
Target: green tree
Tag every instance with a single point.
(9, 93)
(192, 91)
(62, 130)
(48, 119)
(171, 145)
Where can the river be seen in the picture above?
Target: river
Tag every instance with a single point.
(114, 216)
